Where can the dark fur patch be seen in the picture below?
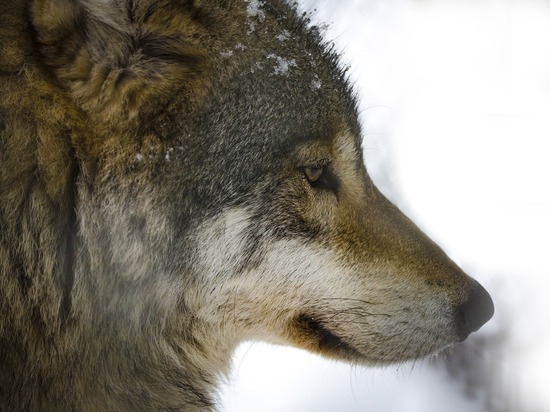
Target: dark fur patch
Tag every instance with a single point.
(70, 237)
(164, 48)
(327, 342)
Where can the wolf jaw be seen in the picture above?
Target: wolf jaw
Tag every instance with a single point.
(179, 176)
(315, 299)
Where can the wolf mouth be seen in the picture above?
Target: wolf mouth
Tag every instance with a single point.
(327, 342)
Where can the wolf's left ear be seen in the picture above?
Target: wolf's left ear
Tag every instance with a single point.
(120, 58)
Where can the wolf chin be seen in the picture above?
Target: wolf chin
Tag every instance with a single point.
(177, 177)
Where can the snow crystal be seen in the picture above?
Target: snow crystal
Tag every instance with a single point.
(316, 84)
(285, 35)
(139, 157)
(257, 66)
(229, 53)
(253, 9)
(168, 153)
(283, 65)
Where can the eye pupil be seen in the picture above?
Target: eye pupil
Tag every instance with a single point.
(313, 174)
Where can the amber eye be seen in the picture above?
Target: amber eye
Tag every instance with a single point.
(313, 173)
(320, 175)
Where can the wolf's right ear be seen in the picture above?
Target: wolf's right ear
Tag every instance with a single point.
(119, 58)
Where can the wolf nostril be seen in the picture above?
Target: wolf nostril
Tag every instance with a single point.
(477, 310)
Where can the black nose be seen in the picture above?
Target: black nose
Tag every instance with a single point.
(477, 310)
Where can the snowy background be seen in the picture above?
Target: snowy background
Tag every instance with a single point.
(455, 98)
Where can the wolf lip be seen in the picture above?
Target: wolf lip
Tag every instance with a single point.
(326, 340)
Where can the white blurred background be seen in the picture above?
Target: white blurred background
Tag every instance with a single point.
(455, 98)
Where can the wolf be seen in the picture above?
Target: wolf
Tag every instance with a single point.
(179, 176)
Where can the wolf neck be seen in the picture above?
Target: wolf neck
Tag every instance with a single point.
(205, 362)
(156, 373)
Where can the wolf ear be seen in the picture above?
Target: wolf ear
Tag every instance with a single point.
(119, 58)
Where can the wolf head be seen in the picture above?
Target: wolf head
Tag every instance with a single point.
(233, 124)
(221, 193)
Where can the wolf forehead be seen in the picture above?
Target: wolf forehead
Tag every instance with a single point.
(275, 88)
(266, 93)
(126, 60)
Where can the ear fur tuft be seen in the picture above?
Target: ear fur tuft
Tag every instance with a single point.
(113, 58)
